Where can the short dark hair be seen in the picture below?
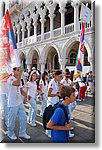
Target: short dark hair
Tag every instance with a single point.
(66, 91)
(58, 72)
(14, 68)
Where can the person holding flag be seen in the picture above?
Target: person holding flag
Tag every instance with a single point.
(79, 66)
(15, 92)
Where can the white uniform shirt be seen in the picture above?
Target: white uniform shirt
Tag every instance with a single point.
(44, 87)
(81, 84)
(54, 86)
(3, 88)
(14, 94)
(32, 89)
(66, 82)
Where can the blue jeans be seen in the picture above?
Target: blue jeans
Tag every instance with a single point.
(44, 103)
(12, 114)
(4, 107)
(32, 111)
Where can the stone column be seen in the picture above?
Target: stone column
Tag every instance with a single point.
(29, 67)
(62, 63)
(93, 14)
(28, 28)
(42, 29)
(28, 25)
(42, 67)
(35, 18)
(23, 30)
(29, 64)
(35, 31)
(62, 11)
(51, 25)
(92, 64)
(76, 15)
(42, 64)
(18, 33)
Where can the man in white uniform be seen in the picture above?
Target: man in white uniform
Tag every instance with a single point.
(15, 105)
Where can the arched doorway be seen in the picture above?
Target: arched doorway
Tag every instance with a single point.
(23, 60)
(72, 56)
(56, 63)
(52, 62)
(35, 59)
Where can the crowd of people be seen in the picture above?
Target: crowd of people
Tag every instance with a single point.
(51, 88)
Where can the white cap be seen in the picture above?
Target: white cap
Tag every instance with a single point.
(33, 68)
(15, 66)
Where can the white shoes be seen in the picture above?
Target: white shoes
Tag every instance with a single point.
(13, 137)
(71, 134)
(25, 136)
(48, 133)
(33, 124)
(78, 100)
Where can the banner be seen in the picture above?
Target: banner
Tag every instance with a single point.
(85, 14)
(8, 49)
(80, 56)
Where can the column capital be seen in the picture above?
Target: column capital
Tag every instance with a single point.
(35, 23)
(18, 27)
(75, 3)
(62, 61)
(42, 20)
(62, 10)
(28, 61)
(34, 17)
(43, 62)
(52, 15)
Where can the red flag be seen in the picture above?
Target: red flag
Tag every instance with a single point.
(8, 48)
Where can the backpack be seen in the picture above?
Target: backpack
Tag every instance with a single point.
(48, 112)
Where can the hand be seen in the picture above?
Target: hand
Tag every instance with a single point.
(68, 126)
(24, 100)
(20, 70)
(42, 96)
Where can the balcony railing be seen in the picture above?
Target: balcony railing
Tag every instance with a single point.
(57, 32)
(69, 28)
(46, 35)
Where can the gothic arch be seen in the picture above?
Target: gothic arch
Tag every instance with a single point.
(69, 43)
(46, 49)
(30, 53)
(20, 53)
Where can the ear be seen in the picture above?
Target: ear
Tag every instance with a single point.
(66, 97)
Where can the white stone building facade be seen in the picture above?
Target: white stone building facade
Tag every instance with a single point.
(48, 33)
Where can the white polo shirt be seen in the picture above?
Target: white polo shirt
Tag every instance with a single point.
(81, 84)
(66, 82)
(32, 89)
(44, 87)
(54, 86)
(3, 88)
(14, 94)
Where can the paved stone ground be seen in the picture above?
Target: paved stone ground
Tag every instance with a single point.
(83, 121)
